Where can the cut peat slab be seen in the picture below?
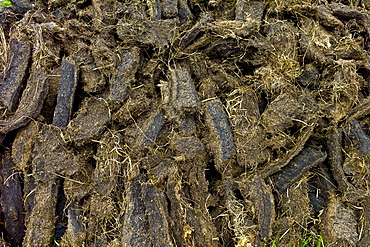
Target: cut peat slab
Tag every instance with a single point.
(152, 128)
(296, 169)
(145, 220)
(51, 159)
(260, 194)
(223, 143)
(30, 104)
(90, 121)
(183, 96)
(11, 201)
(66, 91)
(10, 86)
(135, 226)
(125, 75)
(340, 225)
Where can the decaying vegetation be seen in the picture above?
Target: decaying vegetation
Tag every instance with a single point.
(184, 123)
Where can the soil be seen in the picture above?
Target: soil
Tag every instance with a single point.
(184, 123)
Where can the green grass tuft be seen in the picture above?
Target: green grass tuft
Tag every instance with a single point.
(320, 242)
(307, 240)
(5, 3)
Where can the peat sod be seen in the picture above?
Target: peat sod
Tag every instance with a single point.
(184, 123)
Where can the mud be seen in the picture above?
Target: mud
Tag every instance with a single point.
(184, 123)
